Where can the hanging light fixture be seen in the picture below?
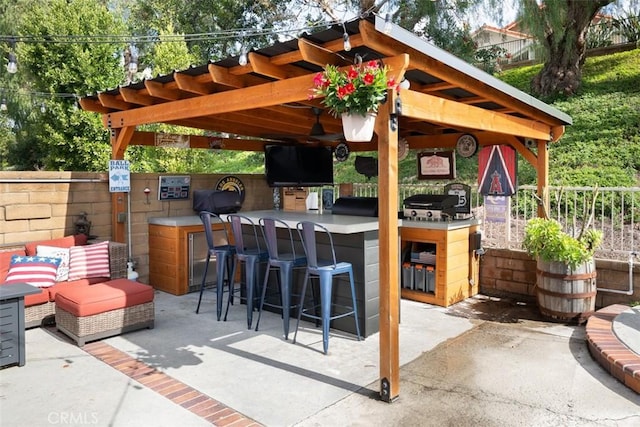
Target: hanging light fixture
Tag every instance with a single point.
(43, 108)
(3, 105)
(243, 58)
(388, 25)
(346, 41)
(12, 65)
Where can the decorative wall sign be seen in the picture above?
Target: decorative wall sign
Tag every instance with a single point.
(467, 145)
(497, 175)
(231, 183)
(173, 187)
(172, 140)
(463, 193)
(436, 165)
(341, 152)
(119, 176)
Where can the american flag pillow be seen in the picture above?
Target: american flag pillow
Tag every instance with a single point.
(89, 261)
(35, 270)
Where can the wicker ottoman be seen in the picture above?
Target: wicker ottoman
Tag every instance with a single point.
(89, 313)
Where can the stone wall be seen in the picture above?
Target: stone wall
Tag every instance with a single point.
(46, 205)
(511, 273)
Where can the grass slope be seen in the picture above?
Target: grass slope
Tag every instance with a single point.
(603, 145)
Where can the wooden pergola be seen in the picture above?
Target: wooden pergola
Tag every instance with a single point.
(267, 100)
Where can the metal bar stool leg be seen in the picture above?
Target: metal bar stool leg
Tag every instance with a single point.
(301, 304)
(353, 301)
(285, 275)
(264, 291)
(325, 307)
(204, 278)
(221, 261)
(233, 275)
(250, 271)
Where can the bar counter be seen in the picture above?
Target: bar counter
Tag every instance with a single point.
(356, 241)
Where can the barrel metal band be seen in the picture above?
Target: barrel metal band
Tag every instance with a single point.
(565, 295)
(584, 276)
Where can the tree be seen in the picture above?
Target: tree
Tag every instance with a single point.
(561, 26)
(50, 131)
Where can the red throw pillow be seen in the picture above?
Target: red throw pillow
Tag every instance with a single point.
(34, 270)
(89, 261)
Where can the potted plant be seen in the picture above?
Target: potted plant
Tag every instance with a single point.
(354, 94)
(566, 276)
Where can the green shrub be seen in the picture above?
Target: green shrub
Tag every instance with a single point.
(544, 239)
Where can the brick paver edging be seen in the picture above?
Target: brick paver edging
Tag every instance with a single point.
(177, 392)
(609, 351)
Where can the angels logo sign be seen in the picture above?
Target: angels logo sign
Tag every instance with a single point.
(497, 171)
(231, 183)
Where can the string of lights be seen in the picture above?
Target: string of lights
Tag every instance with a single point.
(122, 38)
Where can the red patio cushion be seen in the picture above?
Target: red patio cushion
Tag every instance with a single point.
(84, 301)
(37, 299)
(53, 290)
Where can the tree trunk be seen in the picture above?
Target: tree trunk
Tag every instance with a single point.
(566, 47)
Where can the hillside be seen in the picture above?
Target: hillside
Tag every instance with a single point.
(601, 147)
(603, 144)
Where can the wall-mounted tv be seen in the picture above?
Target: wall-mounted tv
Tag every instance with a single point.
(298, 166)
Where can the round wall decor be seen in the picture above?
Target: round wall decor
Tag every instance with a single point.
(403, 149)
(231, 183)
(341, 152)
(467, 145)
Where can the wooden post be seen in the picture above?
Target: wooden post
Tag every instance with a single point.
(120, 139)
(389, 251)
(542, 169)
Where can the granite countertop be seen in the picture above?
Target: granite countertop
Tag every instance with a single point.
(341, 224)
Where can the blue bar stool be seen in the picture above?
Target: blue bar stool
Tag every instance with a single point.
(325, 270)
(285, 262)
(249, 251)
(224, 255)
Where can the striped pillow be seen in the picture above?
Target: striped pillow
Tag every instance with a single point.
(34, 270)
(89, 261)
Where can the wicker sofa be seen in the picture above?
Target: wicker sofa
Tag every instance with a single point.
(40, 308)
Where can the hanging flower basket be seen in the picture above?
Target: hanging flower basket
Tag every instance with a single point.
(358, 127)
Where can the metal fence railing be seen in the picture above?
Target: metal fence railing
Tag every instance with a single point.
(616, 212)
(602, 34)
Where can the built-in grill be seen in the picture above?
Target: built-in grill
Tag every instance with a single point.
(430, 207)
(358, 206)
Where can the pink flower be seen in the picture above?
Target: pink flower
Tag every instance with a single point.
(368, 78)
(391, 83)
(319, 80)
(342, 92)
(349, 88)
(352, 74)
(373, 64)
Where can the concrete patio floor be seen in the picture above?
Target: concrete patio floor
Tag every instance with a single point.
(482, 362)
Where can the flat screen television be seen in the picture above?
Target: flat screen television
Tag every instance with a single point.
(298, 166)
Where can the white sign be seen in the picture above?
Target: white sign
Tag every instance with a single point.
(119, 176)
(172, 140)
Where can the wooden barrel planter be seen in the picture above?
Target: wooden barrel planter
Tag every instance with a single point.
(565, 294)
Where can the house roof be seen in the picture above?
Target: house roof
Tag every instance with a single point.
(198, 97)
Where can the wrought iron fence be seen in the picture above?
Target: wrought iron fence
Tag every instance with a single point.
(615, 211)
